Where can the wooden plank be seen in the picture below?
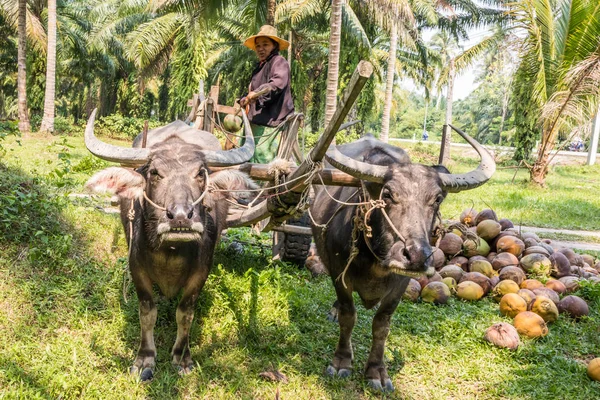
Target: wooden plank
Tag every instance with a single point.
(329, 176)
(226, 109)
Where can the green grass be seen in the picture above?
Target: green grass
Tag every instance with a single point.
(67, 332)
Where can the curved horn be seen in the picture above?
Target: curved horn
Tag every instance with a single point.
(470, 180)
(358, 169)
(234, 156)
(127, 156)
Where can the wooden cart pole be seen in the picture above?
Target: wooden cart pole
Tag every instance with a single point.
(363, 71)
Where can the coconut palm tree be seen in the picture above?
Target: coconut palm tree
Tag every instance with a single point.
(48, 119)
(24, 125)
(335, 34)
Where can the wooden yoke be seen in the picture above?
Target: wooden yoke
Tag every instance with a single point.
(363, 71)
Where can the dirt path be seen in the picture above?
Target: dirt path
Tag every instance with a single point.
(585, 246)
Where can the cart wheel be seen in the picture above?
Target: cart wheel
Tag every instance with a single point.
(293, 247)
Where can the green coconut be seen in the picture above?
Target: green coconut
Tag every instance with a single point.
(469, 290)
(484, 267)
(536, 264)
(504, 287)
(488, 229)
(232, 123)
(436, 293)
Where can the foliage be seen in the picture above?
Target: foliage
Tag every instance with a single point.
(118, 126)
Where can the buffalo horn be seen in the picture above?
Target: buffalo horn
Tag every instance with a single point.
(235, 156)
(127, 156)
(358, 169)
(487, 166)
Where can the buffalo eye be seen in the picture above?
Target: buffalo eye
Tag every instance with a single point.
(154, 173)
(438, 200)
(386, 194)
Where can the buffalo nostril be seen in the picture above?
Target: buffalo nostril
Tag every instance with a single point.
(190, 214)
(406, 254)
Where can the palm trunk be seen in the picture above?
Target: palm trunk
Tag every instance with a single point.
(24, 125)
(445, 149)
(389, 85)
(48, 120)
(539, 170)
(271, 6)
(504, 110)
(334, 57)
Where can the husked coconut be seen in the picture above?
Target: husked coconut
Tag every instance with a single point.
(502, 335)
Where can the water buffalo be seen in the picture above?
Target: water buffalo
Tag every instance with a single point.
(172, 220)
(375, 248)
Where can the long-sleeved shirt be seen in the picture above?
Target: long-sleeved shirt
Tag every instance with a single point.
(272, 108)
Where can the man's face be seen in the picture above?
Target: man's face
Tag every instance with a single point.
(264, 47)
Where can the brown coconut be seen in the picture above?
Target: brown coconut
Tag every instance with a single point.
(573, 306)
(545, 308)
(548, 248)
(504, 287)
(530, 324)
(488, 229)
(549, 293)
(413, 291)
(479, 279)
(494, 280)
(560, 265)
(510, 244)
(531, 284)
(557, 286)
(506, 223)
(570, 282)
(436, 293)
(574, 258)
(451, 244)
(504, 260)
(468, 290)
(527, 295)
(588, 259)
(530, 235)
(485, 214)
(467, 217)
(453, 271)
(536, 264)
(529, 242)
(461, 261)
(513, 273)
(503, 335)
(536, 249)
(439, 258)
(512, 304)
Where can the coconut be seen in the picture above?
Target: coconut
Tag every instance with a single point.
(439, 258)
(531, 284)
(570, 282)
(530, 235)
(475, 247)
(560, 265)
(491, 255)
(527, 295)
(549, 293)
(485, 214)
(436, 293)
(593, 369)
(452, 271)
(451, 283)
(504, 287)
(574, 258)
(506, 223)
(488, 229)
(479, 279)
(468, 216)
(468, 290)
(510, 244)
(503, 335)
(461, 261)
(511, 304)
(451, 244)
(588, 259)
(413, 290)
(530, 324)
(536, 249)
(597, 266)
(545, 308)
(423, 280)
(484, 267)
(232, 123)
(590, 270)
(537, 264)
(557, 286)
(548, 248)
(529, 242)
(503, 260)
(513, 273)
(494, 280)
(573, 306)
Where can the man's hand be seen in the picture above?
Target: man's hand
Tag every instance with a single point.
(250, 98)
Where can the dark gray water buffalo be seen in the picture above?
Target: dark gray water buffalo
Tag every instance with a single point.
(171, 220)
(375, 248)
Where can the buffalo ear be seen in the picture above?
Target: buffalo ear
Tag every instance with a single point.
(441, 169)
(235, 181)
(123, 182)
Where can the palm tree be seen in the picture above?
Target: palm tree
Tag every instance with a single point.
(560, 69)
(335, 34)
(271, 7)
(24, 125)
(48, 120)
(389, 84)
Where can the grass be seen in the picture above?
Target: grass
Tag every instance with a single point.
(67, 332)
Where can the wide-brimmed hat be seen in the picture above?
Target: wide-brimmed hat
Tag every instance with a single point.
(270, 32)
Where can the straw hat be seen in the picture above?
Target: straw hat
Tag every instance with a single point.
(271, 33)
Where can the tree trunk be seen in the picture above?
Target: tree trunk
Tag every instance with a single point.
(540, 167)
(271, 7)
(48, 120)
(445, 149)
(24, 125)
(504, 110)
(389, 85)
(334, 57)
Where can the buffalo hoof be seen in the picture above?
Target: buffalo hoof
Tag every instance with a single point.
(332, 316)
(386, 387)
(341, 373)
(146, 374)
(184, 370)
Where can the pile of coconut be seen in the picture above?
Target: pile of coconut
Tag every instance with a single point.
(532, 281)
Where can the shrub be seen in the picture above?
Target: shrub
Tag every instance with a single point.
(120, 127)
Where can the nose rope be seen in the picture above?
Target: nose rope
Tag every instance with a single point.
(197, 201)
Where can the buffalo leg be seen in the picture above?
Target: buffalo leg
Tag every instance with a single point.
(145, 360)
(342, 360)
(375, 371)
(181, 355)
